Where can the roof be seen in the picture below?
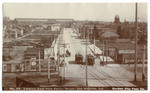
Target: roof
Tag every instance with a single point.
(15, 29)
(109, 34)
(7, 45)
(127, 46)
(123, 40)
(122, 46)
(64, 19)
(139, 56)
(42, 19)
(52, 21)
(32, 49)
(21, 44)
(55, 24)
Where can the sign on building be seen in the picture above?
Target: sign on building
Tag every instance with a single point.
(33, 64)
(126, 51)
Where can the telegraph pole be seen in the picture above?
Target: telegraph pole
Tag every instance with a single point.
(94, 41)
(86, 62)
(48, 69)
(64, 55)
(58, 57)
(64, 62)
(39, 59)
(103, 51)
(143, 65)
(136, 37)
(106, 51)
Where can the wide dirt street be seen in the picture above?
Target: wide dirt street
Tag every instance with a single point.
(101, 76)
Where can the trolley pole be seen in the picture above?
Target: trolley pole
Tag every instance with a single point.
(136, 37)
(143, 65)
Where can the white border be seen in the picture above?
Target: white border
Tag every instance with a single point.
(67, 1)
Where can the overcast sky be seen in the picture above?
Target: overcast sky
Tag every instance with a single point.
(77, 11)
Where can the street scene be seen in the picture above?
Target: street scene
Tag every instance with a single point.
(73, 54)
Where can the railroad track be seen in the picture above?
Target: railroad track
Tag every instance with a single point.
(95, 76)
(109, 77)
(101, 79)
(98, 78)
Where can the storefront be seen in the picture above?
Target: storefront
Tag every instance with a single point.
(124, 54)
(12, 67)
(128, 57)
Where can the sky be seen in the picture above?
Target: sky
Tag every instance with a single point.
(77, 11)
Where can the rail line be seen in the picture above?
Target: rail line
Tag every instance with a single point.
(98, 78)
(91, 72)
(108, 76)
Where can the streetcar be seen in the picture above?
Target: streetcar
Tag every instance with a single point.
(78, 58)
(90, 59)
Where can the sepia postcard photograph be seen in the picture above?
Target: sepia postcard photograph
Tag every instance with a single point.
(75, 46)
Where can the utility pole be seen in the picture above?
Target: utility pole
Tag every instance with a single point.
(39, 58)
(106, 50)
(136, 37)
(64, 55)
(64, 64)
(48, 69)
(143, 65)
(103, 51)
(94, 41)
(86, 62)
(58, 61)
(84, 35)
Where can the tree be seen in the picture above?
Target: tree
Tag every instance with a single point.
(82, 31)
(95, 31)
(142, 39)
(116, 19)
(46, 40)
(15, 22)
(126, 29)
(120, 31)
